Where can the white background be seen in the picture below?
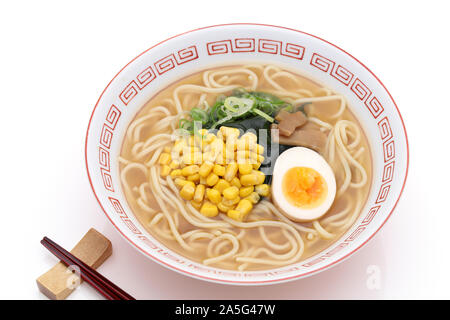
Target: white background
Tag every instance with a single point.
(57, 57)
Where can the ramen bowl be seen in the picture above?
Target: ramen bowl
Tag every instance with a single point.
(232, 44)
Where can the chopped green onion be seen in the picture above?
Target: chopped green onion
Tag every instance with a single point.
(230, 102)
(198, 114)
(223, 120)
(264, 115)
(239, 106)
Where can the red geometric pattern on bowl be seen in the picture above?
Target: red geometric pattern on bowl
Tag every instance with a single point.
(388, 172)
(161, 66)
(145, 77)
(106, 136)
(342, 74)
(111, 120)
(269, 46)
(248, 45)
(336, 249)
(103, 158)
(238, 45)
(338, 72)
(172, 60)
(370, 215)
(389, 150)
(130, 225)
(322, 63)
(107, 180)
(385, 129)
(361, 90)
(118, 207)
(112, 117)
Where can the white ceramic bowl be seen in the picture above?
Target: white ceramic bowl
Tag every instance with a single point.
(204, 48)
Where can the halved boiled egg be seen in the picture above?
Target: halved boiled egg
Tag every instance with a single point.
(303, 184)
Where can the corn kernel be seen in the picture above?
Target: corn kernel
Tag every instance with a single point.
(229, 132)
(190, 170)
(196, 205)
(231, 202)
(209, 210)
(176, 173)
(202, 180)
(263, 190)
(187, 192)
(249, 180)
(217, 145)
(244, 206)
(253, 198)
(221, 159)
(236, 182)
(260, 158)
(199, 193)
(192, 157)
(245, 168)
(221, 185)
(194, 178)
(205, 169)
(165, 170)
(243, 144)
(259, 149)
(206, 147)
(164, 158)
(175, 156)
(250, 136)
(191, 149)
(210, 138)
(208, 156)
(231, 144)
(203, 132)
(236, 215)
(245, 157)
(212, 179)
(180, 144)
(188, 159)
(175, 164)
(229, 156)
(199, 143)
(231, 171)
(224, 208)
(256, 165)
(246, 191)
(254, 157)
(219, 170)
(231, 193)
(167, 149)
(261, 176)
(213, 195)
(180, 182)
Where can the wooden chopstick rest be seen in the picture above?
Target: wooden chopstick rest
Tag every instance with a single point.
(58, 282)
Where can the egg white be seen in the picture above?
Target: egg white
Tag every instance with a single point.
(302, 157)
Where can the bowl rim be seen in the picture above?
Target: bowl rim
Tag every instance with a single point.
(239, 282)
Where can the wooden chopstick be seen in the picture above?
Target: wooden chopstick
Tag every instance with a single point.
(104, 286)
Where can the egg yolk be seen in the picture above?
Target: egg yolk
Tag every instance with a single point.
(304, 187)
